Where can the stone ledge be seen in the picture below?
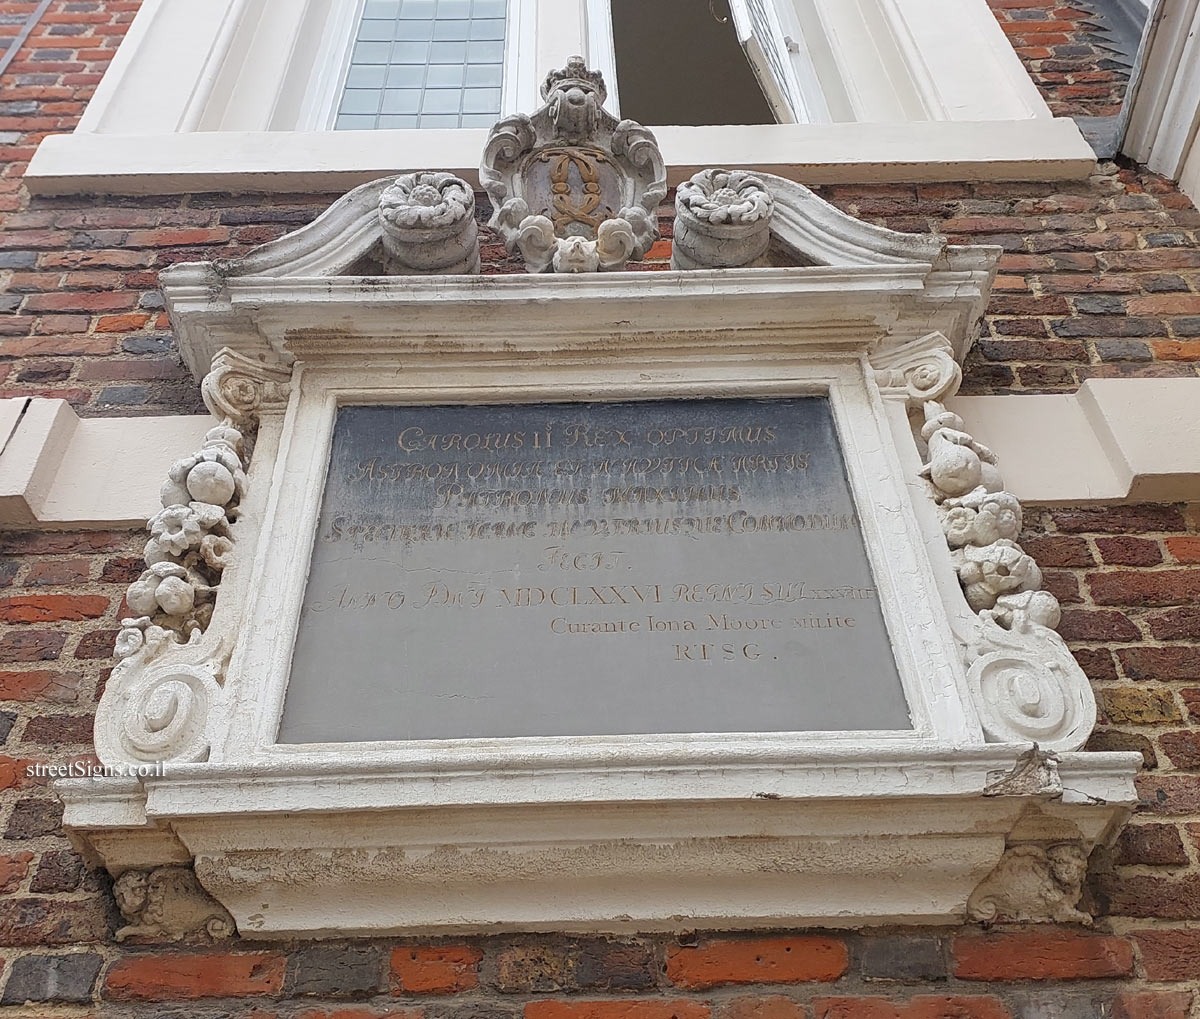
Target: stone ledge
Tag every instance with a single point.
(837, 838)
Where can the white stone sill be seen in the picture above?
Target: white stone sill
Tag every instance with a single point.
(837, 837)
(326, 161)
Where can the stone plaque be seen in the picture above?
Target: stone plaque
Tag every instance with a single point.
(681, 566)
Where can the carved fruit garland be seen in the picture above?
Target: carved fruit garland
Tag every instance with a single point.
(189, 545)
(162, 698)
(1024, 680)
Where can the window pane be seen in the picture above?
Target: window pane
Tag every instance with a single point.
(349, 122)
(480, 75)
(368, 76)
(426, 63)
(374, 28)
(445, 76)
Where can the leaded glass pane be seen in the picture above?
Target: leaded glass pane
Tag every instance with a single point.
(425, 63)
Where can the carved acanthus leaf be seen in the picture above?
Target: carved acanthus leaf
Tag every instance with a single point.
(169, 903)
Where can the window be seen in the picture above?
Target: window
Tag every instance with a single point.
(442, 63)
(425, 63)
(307, 96)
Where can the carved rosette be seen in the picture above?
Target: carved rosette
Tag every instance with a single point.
(159, 703)
(1025, 682)
(722, 220)
(428, 225)
(573, 189)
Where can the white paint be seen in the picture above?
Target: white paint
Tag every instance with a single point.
(233, 100)
(1105, 444)
(58, 471)
(333, 161)
(1164, 119)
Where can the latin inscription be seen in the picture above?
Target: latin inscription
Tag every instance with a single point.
(572, 569)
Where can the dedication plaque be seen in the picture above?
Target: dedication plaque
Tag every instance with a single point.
(680, 566)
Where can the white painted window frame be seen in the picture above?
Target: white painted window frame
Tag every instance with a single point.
(519, 91)
(227, 89)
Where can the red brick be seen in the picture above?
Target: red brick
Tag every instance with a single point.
(438, 970)
(757, 961)
(1160, 663)
(1041, 955)
(47, 608)
(1149, 587)
(926, 1006)
(1175, 624)
(1132, 519)
(855, 1008)
(13, 868)
(1176, 350)
(1184, 549)
(1126, 551)
(31, 646)
(655, 1009)
(1183, 748)
(1168, 954)
(1152, 1005)
(1060, 551)
(1151, 844)
(1163, 898)
(1169, 795)
(121, 323)
(58, 573)
(52, 543)
(1191, 700)
(349, 1013)
(1165, 304)
(38, 684)
(1084, 624)
(112, 300)
(769, 1006)
(163, 977)
(172, 238)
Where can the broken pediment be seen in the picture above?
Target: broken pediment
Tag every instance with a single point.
(573, 190)
(575, 196)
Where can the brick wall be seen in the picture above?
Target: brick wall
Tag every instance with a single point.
(1099, 278)
(1065, 55)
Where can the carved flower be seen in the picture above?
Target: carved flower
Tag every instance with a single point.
(177, 529)
(981, 518)
(180, 528)
(1023, 610)
(165, 587)
(240, 392)
(130, 639)
(215, 550)
(1000, 568)
(725, 196)
(418, 201)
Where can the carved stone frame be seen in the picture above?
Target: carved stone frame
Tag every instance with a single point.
(879, 827)
(961, 815)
